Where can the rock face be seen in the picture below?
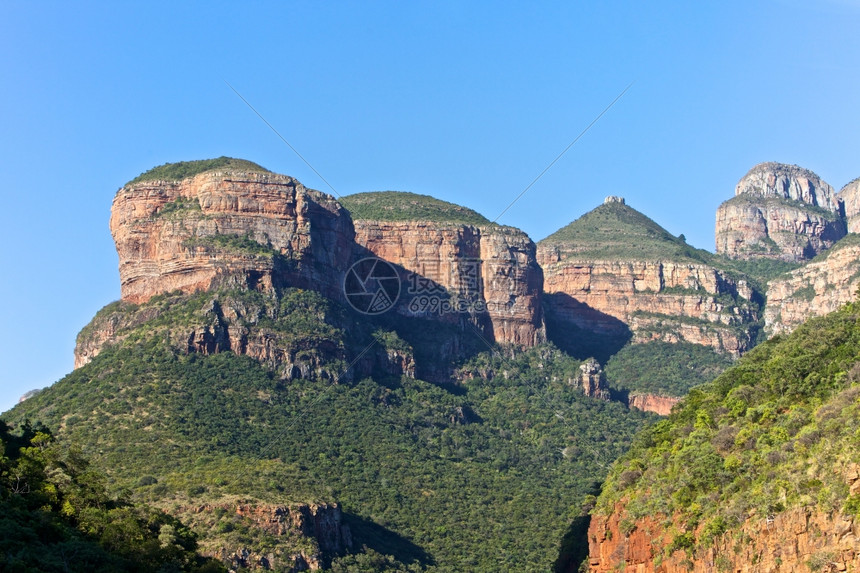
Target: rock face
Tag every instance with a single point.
(493, 268)
(800, 540)
(219, 228)
(850, 197)
(815, 289)
(656, 300)
(781, 212)
(593, 380)
(661, 405)
(321, 526)
(244, 325)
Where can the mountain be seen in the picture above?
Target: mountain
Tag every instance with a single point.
(757, 470)
(782, 212)
(620, 287)
(239, 387)
(459, 251)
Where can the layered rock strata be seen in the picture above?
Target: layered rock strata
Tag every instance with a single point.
(220, 228)
(815, 289)
(656, 300)
(661, 405)
(781, 212)
(492, 269)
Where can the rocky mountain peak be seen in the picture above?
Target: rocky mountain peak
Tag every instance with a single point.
(779, 212)
(783, 181)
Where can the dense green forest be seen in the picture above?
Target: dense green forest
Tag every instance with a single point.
(775, 431)
(479, 475)
(56, 515)
(664, 368)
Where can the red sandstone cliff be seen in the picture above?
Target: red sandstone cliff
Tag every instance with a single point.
(492, 265)
(800, 540)
(166, 235)
(657, 300)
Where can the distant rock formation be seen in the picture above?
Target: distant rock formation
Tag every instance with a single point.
(850, 197)
(30, 394)
(593, 380)
(781, 212)
(656, 291)
(815, 289)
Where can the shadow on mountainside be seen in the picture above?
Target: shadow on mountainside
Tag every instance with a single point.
(583, 331)
(387, 542)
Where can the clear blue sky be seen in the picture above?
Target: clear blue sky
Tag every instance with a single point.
(464, 101)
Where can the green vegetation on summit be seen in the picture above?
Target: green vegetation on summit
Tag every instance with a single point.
(614, 231)
(404, 206)
(184, 169)
(476, 476)
(774, 432)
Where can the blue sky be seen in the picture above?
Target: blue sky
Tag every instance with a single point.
(465, 101)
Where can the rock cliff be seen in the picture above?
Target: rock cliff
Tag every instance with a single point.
(643, 279)
(296, 334)
(779, 211)
(306, 535)
(661, 405)
(228, 228)
(490, 267)
(802, 540)
(850, 197)
(815, 289)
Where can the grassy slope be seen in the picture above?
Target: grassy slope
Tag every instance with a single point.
(418, 484)
(403, 206)
(769, 434)
(184, 169)
(615, 231)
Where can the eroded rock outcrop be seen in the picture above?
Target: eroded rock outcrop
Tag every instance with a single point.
(228, 228)
(494, 268)
(815, 289)
(593, 380)
(779, 211)
(800, 540)
(661, 405)
(307, 534)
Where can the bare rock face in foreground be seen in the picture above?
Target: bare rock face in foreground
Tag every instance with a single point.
(228, 228)
(781, 212)
(797, 541)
